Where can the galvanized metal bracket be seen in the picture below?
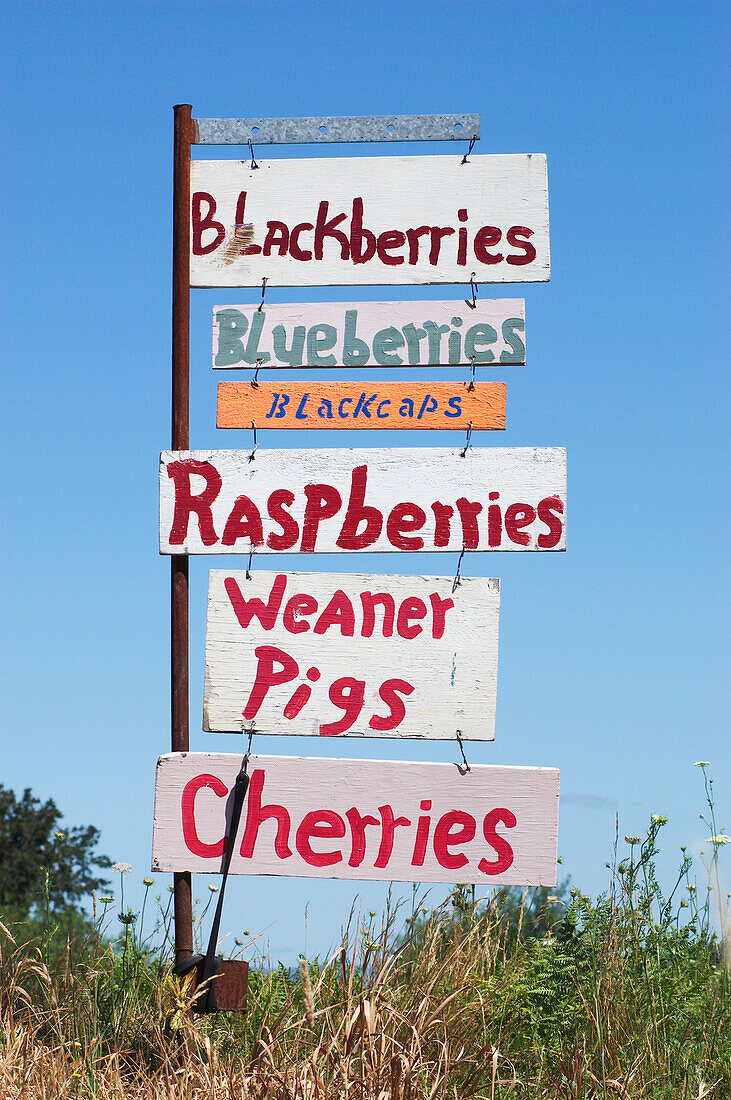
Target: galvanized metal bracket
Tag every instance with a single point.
(311, 131)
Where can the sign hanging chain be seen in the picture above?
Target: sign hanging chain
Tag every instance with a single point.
(473, 288)
(472, 145)
(467, 445)
(253, 161)
(457, 576)
(464, 767)
(255, 444)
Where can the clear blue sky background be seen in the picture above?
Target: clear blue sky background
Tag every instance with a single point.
(614, 656)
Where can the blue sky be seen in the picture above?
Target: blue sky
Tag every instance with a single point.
(614, 655)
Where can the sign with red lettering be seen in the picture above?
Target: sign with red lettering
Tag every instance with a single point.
(385, 405)
(370, 221)
(393, 499)
(359, 819)
(370, 334)
(330, 654)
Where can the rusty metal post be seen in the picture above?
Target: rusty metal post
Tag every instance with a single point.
(182, 890)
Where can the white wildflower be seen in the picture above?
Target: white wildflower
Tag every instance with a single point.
(123, 868)
(718, 840)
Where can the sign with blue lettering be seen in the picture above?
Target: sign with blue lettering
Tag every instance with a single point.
(480, 405)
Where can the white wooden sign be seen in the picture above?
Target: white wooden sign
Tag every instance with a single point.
(393, 499)
(331, 654)
(370, 334)
(359, 819)
(370, 220)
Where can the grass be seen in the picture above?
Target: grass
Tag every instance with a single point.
(526, 994)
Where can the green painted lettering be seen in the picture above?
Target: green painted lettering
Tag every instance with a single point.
(386, 343)
(320, 339)
(232, 326)
(510, 336)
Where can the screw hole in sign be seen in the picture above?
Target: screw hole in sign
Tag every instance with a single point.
(255, 129)
(458, 126)
(323, 129)
(390, 127)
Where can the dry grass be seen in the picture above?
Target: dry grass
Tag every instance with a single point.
(624, 998)
(458, 1006)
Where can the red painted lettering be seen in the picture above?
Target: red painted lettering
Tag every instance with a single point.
(323, 502)
(388, 692)
(546, 509)
(392, 238)
(439, 608)
(348, 694)
(199, 224)
(298, 605)
(485, 238)
(357, 512)
(514, 235)
(454, 827)
(358, 235)
(338, 612)
(442, 515)
(256, 814)
(325, 228)
(422, 835)
(411, 608)
(245, 609)
(268, 656)
(289, 525)
(469, 510)
(358, 824)
(319, 823)
(502, 849)
(389, 824)
(518, 516)
(244, 522)
(369, 601)
(405, 517)
(187, 811)
(181, 472)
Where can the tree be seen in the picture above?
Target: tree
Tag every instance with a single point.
(41, 864)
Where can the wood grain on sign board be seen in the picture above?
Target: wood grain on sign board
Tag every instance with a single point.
(373, 334)
(370, 221)
(359, 819)
(329, 654)
(388, 405)
(387, 499)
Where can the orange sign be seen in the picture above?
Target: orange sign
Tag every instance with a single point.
(353, 405)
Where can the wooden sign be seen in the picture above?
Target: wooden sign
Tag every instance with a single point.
(359, 819)
(387, 405)
(375, 334)
(326, 655)
(370, 220)
(394, 499)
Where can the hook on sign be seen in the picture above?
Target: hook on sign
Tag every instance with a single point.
(255, 444)
(458, 576)
(464, 158)
(248, 566)
(472, 376)
(254, 383)
(253, 161)
(263, 292)
(473, 288)
(468, 444)
(464, 767)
